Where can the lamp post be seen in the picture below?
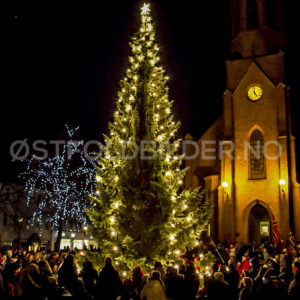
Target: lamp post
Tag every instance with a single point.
(225, 186)
(282, 184)
(282, 190)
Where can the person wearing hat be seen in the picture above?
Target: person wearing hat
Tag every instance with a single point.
(154, 288)
(294, 287)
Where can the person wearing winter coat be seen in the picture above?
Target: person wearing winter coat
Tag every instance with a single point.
(286, 261)
(245, 263)
(134, 286)
(191, 282)
(247, 291)
(32, 283)
(154, 288)
(89, 277)
(219, 289)
(159, 267)
(68, 278)
(232, 277)
(174, 284)
(294, 287)
(49, 282)
(109, 285)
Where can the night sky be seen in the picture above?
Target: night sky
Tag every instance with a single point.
(62, 63)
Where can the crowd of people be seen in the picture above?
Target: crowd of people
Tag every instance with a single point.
(237, 273)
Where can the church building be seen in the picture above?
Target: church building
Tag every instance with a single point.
(246, 160)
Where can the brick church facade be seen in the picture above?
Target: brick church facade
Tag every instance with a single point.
(247, 157)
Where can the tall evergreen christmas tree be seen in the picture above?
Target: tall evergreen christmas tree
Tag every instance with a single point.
(141, 212)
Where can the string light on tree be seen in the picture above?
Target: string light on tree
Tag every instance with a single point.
(141, 213)
(64, 182)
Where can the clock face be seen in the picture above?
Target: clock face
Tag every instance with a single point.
(255, 93)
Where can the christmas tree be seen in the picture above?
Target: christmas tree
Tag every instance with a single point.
(141, 212)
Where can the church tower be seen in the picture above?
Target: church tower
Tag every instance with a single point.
(259, 184)
(253, 180)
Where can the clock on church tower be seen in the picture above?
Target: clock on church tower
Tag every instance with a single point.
(255, 92)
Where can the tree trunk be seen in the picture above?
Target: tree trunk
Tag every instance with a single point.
(58, 239)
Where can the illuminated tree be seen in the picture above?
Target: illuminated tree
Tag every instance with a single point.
(141, 211)
(63, 183)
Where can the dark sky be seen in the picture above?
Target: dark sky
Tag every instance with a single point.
(62, 63)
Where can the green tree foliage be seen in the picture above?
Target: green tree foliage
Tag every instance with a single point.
(141, 211)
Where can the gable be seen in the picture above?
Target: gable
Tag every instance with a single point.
(254, 74)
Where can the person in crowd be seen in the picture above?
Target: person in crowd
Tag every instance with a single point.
(190, 282)
(286, 261)
(219, 289)
(294, 287)
(109, 285)
(245, 262)
(247, 291)
(68, 278)
(181, 270)
(134, 286)
(49, 281)
(53, 259)
(159, 267)
(10, 275)
(174, 284)
(36, 257)
(31, 284)
(1, 279)
(89, 276)
(266, 254)
(232, 277)
(154, 288)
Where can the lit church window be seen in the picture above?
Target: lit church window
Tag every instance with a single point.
(257, 159)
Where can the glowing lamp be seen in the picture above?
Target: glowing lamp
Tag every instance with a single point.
(224, 184)
(282, 182)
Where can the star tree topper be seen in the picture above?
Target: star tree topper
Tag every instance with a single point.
(145, 9)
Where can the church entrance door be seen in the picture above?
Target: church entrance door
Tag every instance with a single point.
(259, 224)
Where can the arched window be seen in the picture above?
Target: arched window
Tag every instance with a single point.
(257, 159)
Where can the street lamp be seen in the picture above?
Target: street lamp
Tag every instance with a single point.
(282, 184)
(224, 184)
